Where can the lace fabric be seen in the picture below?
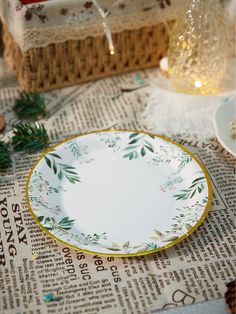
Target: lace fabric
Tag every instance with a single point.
(56, 21)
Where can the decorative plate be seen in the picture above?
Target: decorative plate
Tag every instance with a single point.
(223, 116)
(119, 193)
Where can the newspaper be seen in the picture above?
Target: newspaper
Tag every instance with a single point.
(33, 265)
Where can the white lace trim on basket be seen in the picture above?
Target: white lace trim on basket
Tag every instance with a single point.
(38, 34)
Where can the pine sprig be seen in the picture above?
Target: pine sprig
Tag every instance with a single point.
(29, 137)
(30, 106)
(5, 157)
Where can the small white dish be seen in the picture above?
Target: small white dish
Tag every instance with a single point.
(225, 114)
(119, 193)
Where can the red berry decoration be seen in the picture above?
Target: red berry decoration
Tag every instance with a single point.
(31, 1)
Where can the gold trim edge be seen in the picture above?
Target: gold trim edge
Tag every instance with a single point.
(187, 234)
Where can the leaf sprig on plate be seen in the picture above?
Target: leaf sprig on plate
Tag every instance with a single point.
(62, 171)
(138, 146)
(92, 239)
(197, 185)
(75, 149)
(51, 224)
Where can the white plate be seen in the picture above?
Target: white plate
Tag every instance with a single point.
(223, 116)
(118, 193)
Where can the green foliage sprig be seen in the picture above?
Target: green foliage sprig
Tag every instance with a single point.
(29, 137)
(5, 156)
(30, 106)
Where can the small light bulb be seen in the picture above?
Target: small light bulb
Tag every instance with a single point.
(198, 84)
(164, 64)
(112, 51)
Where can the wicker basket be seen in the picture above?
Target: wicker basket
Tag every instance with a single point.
(76, 61)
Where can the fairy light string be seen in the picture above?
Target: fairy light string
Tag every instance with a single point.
(105, 24)
(104, 14)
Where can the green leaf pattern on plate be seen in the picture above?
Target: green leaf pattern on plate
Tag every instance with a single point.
(127, 247)
(92, 239)
(164, 154)
(165, 237)
(197, 186)
(111, 140)
(78, 151)
(37, 182)
(188, 216)
(39, 202)
(139, 145)
(175, 178)
(169, 155)
(62, 171)
(39, 190)
(136, 146)
(182, 223)
(50, 223)
(75, 148)
(60, 229)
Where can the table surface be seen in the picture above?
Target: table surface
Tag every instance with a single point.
(7, 80)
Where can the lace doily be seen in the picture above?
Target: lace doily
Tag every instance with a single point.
(170, 112)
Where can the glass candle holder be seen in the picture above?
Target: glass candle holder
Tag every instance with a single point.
(197, 54)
